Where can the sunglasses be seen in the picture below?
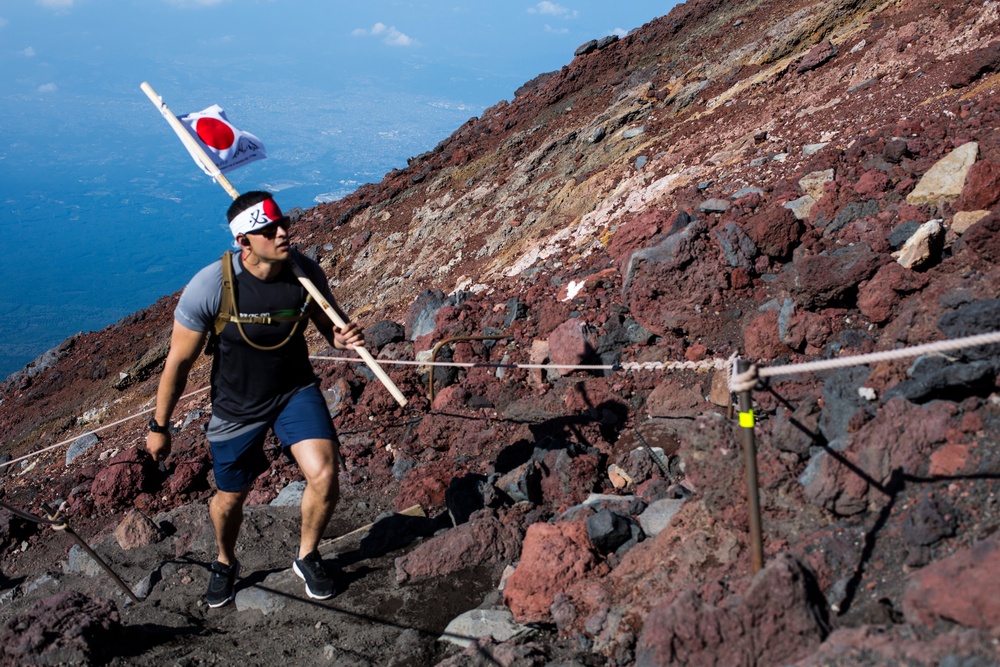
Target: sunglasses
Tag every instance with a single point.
(271, 230)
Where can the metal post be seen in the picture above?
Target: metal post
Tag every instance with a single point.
(750, 454)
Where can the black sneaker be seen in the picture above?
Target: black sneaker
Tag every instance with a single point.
(221, 584)
(319, 585)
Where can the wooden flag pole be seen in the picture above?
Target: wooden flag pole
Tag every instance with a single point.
(188, 140)
(204, 159)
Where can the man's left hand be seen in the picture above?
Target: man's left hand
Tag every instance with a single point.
(348, 337)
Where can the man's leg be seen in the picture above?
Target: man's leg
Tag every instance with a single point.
(226, 511)
(317, 459)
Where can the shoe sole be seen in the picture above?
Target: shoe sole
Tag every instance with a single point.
(295, 567)
(223, 603)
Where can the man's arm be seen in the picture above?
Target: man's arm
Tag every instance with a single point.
(339, 338)
(185, 346)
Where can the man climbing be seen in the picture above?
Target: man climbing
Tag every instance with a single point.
(252, 313)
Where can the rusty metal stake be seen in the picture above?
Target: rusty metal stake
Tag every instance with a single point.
(430, 378)
(750, 454)
(59, 523)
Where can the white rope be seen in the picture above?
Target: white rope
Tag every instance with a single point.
(887, 355)
(706, 365)
(748, 379)
(737, 381)
(93, 430)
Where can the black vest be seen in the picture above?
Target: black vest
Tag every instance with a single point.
(250, 385)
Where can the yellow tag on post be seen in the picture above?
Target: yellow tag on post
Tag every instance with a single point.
(746, 419)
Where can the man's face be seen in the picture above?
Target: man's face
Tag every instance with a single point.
(271, 243)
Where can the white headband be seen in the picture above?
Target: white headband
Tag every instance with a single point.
(256, 217)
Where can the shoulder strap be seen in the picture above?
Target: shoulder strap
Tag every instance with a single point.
(228, 311)
(227, 306)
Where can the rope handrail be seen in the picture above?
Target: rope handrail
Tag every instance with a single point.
(92, 430)
(750, 378)
(737, 382)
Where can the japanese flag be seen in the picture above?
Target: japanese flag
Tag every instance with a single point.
(228, 146)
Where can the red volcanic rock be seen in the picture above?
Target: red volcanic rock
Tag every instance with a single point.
(817, 55)
(963, 588)
(781, 618)
(824, 280)
(690, 265)
(67, 628)
(124, 477)
(637, 231)
(426, 485)
(454, 396)
(879, 298)
(900, 438)
(572, 343)
(775, 231)
(982, 187)
(949, 460)
(191, 474)
(550, 314)
(983, 239)
(971, 66)
(809, 331)
(568, 477)
(553, 558)
(871, 184)
(761, 339)
(483, 540)
(674, 398)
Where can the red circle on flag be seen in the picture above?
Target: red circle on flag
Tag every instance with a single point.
(271, 209)
(215, 133)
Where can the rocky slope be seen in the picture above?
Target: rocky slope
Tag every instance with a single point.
(783, 182)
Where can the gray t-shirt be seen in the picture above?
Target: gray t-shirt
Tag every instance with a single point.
(251, 383)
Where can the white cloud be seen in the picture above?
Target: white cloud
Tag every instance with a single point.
(3, 22)
(552, 9)
(48, 88)
(56, 4)
(558, 31)
(621, 32)
(389, 35)
(28, 52)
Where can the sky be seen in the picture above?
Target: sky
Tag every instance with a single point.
(101, 209)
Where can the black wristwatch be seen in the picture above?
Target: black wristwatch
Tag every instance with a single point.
(156, 428)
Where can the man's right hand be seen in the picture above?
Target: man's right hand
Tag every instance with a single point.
(158, 446)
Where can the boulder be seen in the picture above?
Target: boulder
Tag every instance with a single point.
(818, 281)
(880, 297)
(483, 540)
(782, 617)
(137, 530)
(553, 558)
(817, 56)
(963, 588)
(943, 182)
(124, 477)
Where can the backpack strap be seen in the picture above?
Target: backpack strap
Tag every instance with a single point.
(227, 307)
(228, 311)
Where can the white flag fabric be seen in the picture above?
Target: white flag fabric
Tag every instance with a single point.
(228, 146)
